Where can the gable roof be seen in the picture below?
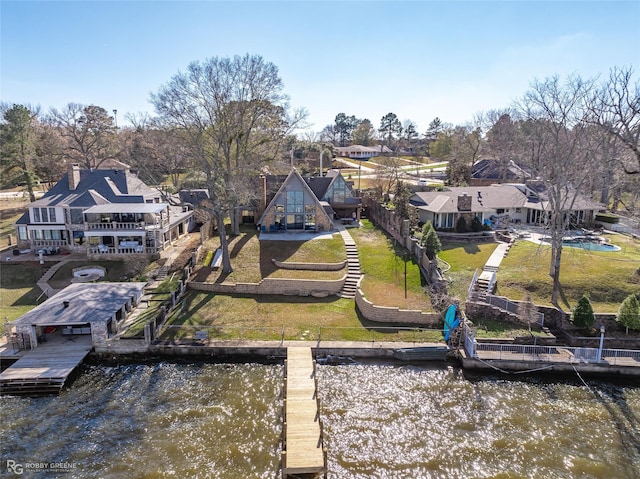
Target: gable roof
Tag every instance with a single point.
(292, 177)
(98, 187)
(492, 169)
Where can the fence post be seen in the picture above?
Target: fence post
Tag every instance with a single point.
(282, 337)
(319, 334)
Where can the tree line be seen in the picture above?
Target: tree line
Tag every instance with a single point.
(223, 121)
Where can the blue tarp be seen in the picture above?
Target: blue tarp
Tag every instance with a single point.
(451, 321)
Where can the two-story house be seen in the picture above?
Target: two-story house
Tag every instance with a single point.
(296, 203)
(102, 212)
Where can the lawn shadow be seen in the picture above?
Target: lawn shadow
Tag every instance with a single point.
(238, 242)
(471, 248)
(278, 250)
(29, 298)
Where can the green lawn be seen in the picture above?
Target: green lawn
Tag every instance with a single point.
(114, 271)
(464, 259)
(18, 290)
(608, 276)
(263, 317)
(383, 265)
(251, 259)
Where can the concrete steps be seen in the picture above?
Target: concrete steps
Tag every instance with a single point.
(162, 273)
(353, 266)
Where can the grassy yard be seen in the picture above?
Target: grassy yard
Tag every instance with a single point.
(18, 290)
(383, 266)
(608, 276)
(10, 212)
(262, 317)
(114, 271)
(251, 259)
(464, 259)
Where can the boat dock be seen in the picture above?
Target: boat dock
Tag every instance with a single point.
(302, 444)
(45, 369)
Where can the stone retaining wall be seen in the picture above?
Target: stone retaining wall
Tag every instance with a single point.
(287, 287)
(310, 266)
(386, 314)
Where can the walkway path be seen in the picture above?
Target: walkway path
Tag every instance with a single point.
(484, 281)
(353, 264)
(303, 452)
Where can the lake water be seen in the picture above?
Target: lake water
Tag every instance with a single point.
(380, 420)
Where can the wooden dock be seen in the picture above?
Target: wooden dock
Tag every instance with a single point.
(302, 448)
(45, 369)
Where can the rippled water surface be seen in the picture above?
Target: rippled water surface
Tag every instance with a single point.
(160, 420)
(408, 422)
(380, 421)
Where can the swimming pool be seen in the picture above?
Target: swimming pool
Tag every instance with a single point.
(590, 245)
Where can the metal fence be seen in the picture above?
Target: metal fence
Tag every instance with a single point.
(560, 354)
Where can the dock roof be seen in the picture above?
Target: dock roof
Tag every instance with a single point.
(88, 303)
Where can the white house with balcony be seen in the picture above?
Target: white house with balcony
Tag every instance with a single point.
(100, 212)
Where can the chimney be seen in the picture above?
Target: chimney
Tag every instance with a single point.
(74, 176)
(65, 304)
(464, 202)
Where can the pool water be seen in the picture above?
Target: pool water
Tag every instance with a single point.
(591, 246)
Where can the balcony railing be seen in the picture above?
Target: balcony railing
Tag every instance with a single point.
(49, 242)
(104, 249)
(116, 226)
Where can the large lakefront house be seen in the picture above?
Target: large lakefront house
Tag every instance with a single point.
(102, 212)
(498, 204)
(296, 203)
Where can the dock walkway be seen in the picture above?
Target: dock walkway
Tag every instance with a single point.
(302, 452)
(45, 369)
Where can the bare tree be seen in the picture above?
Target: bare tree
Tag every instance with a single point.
(558, 148)
(615, 107)
(90, 134)
(235, 117)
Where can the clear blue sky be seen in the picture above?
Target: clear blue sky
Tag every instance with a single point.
(418, 59)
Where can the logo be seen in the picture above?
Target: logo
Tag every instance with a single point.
(18, 468)
(14, 467)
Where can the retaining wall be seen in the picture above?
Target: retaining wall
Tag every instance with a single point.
(287, 287)
(386, 314)
(310, 266)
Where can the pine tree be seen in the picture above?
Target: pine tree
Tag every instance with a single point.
(430, 241)
(583, 316)
(629, 313)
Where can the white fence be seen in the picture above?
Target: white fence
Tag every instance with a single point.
(556, 354)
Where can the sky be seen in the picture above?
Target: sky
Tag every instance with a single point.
(417, 59)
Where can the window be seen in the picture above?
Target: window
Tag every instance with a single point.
(295, 202)
(45, 215)
(36, 215)
(22, 232)
(52, 215)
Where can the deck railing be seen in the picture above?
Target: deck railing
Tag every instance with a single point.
(561, 354)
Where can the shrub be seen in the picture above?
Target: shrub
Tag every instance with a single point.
(583, 316)
(461, 225)
(607, 218)
(629, 313)
(476, 224)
